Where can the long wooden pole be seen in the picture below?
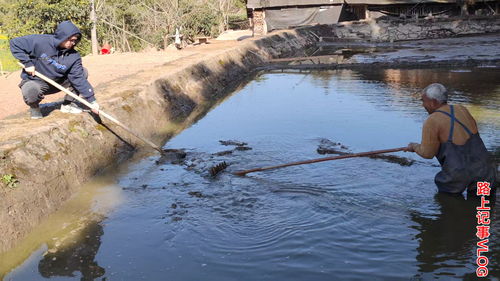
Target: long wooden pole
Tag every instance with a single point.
(101, 113)
(361, 154)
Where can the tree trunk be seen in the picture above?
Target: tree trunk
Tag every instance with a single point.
(93, 32)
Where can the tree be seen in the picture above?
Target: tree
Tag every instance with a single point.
(129, 25)
(42, 17)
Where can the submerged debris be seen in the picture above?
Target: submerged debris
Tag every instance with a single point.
(233, 142)
(227, 152)
(177, 211)
(403, 161)
(322, 150)
(174, 156)
(243, 148)
(223, 153)
(200, 162)
(196, 194)
(327, 146)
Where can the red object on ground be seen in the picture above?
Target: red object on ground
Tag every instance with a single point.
(105, 49)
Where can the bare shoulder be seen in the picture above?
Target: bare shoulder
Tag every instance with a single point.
(459, 107)
(433, 119)
(436, 115)
(437, 120)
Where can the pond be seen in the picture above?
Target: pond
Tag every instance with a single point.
(350, 219)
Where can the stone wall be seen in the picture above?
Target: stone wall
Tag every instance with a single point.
(400, 30)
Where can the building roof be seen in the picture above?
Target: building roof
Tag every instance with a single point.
(286, 3)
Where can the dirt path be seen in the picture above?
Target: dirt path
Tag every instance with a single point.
(105, 68)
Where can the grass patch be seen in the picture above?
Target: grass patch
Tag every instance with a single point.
(9, 180)
(7, 61)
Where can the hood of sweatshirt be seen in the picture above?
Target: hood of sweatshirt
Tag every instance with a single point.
(65, 30)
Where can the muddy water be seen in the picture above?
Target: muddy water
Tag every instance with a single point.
(352, 219)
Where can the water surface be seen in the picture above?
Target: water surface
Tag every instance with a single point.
(352, 219)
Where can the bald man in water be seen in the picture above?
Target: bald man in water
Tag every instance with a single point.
(450, 134)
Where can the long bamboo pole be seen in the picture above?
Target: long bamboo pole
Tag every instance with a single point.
(101, 113)
(361, 154)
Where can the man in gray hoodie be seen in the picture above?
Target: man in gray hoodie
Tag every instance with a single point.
(55, 57)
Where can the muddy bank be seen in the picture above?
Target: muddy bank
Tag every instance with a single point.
(51, 158)
(471, 51)
(402, 44)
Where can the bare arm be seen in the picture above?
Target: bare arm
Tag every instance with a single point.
(429, 146)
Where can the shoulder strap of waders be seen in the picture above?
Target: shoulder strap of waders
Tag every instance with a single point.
(453, 119)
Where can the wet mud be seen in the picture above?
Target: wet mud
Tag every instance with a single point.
(238, 146)
(202, 162)
(172, 156)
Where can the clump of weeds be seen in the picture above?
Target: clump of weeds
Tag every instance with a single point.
(10, 180)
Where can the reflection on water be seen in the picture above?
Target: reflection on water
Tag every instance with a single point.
(352, 219)
(448, 239)
(79, 256)
(65, 243)
(477, 87)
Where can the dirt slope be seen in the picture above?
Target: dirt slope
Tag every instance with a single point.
(105, 68)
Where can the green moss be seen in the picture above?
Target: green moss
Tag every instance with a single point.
(127, 108)
(128, 94)
(72, 126)
(47, 157)
(24, 143)
(101, 128)
(63, 148)
(221, 62)
(75, 127)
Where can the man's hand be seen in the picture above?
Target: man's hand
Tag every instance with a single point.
(30, 70)
(411, 147)
(95, 107)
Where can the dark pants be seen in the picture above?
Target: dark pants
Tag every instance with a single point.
(35, 90)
